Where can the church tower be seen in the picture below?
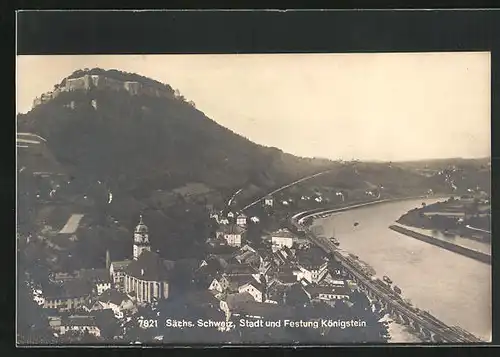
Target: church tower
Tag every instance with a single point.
(141, 239)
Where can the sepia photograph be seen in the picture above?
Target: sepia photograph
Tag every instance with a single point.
(253, 199)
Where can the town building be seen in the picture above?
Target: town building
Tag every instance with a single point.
(204, 301)
(327, 293)
(284, 238)
(117, 273)
(82, 324)
(231, 300)
(268, 201)
(100, 278)
(216, 286)
(67, 295)
(232, 234)
(146, 279)
(256, 288)
(240, 269)
(117, 301)
(285, 275)
(332, 279)
(312, 264)
(296, 295)
(241, 220)
(232, 283)
(214, 215)
(146, 276)
(276, 293)
(247, 255)
(242, 305)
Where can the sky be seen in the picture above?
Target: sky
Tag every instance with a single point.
(388, 107)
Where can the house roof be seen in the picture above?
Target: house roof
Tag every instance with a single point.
(253, 308)
(315, 290)
(246, 248)
(221, 259)
(247, 257)
(296, 291)
(285, 254)
(284, 274)
(76, 320)
(310, 258)
(264, 253)
(103, 317)
(201, 298)
(95, 275)
(239, 269)
(282, 233)
(231, 229)
(259, 286)
(285, 277)
(113, 296)
(120, 265)
(276, 291)
(234, 299)
(149, 266)
(170, 264)
(212, 267)
(73, 288)
(270, 268)
(236, 281)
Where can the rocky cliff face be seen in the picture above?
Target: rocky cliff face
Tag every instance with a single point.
(89, 82)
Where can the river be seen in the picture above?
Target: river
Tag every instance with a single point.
(453, 288)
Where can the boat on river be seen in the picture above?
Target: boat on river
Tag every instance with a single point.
(387, 280)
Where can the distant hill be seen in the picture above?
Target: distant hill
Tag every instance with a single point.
(146, 142)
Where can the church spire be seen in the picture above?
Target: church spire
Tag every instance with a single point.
(141, 238)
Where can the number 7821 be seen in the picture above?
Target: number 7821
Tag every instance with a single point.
(148, 323)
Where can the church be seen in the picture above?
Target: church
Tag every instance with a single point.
(146, 276)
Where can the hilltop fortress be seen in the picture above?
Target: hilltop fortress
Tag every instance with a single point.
(101, 81)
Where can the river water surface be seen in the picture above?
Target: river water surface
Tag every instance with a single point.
(453, 288)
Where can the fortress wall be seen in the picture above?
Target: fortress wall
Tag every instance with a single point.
(87, 82)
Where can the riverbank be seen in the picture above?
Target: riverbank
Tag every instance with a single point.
(458, 217)
(321, 211)
(482, 247)
(430, 276)
(473, 254)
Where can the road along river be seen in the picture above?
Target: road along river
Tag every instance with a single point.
(452, 287)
